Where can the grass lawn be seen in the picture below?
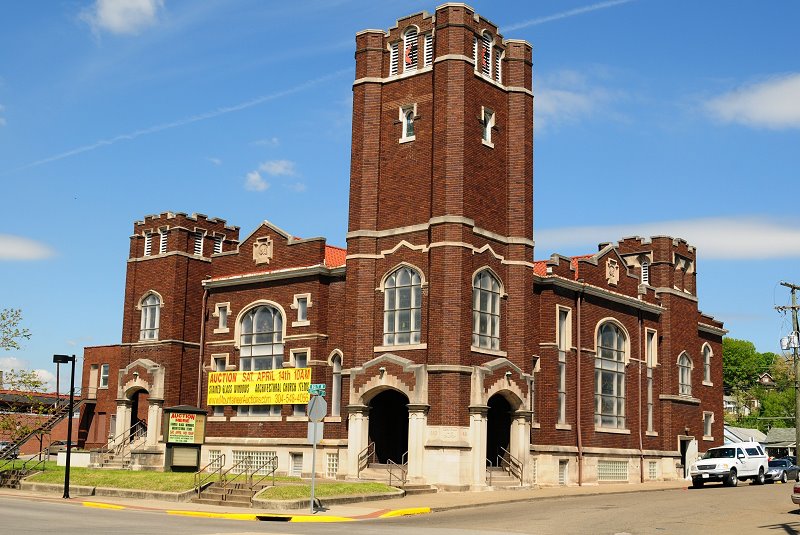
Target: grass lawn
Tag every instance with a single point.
(121, 479)
(323, 490)
(129, 479)
(292, 487)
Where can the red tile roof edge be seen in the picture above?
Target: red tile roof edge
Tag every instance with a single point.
(335, 256)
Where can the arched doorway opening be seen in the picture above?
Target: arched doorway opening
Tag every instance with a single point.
(139, 408)
(498, 428)
(388, 426)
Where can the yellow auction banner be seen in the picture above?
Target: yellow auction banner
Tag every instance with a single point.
(263, 387)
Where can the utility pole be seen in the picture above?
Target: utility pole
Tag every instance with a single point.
(796, 361)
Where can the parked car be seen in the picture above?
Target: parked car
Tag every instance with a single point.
(731, 463)
(4, 447)
(796, 494)
(782, 470)
(59, 445)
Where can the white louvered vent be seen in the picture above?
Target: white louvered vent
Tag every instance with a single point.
(646, 272)
(393, 53)
(410, 52)
(486, 54)
(198, 243)
(162, 245)
(428, 49)
(217, 244)
(497, 63)
(148, 244)
(475, 52)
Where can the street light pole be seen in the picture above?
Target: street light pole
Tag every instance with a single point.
(63, 359)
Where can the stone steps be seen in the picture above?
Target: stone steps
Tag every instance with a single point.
(413, 490)
(235, 495)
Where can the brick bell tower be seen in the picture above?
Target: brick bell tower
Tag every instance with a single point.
(441, 183)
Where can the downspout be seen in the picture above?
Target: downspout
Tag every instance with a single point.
(578, 385)
(202, 348)
(641, 449)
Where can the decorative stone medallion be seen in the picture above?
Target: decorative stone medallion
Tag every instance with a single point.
(612, 271)
(262, 250)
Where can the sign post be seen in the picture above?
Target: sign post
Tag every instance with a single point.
(317, 408)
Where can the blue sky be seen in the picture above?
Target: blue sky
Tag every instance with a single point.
(652, 117)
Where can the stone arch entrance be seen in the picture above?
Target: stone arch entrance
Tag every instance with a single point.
(388, 425)
(498, 428)
(140, 398)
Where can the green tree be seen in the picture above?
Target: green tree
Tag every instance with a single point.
(10, 331)
(742, 364)
(18, 406)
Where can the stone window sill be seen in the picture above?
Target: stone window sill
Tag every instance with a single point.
(612, 430)
(405, 347)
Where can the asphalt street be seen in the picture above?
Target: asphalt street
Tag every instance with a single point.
(746, 509)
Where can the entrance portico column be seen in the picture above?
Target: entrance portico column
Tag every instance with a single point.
(357, 436)
(417, 424)
(477, 433)
(153, 421)
(123, 419)
(521, 440)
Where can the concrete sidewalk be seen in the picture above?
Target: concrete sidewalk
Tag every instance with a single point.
(418, 504)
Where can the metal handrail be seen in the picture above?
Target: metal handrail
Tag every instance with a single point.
(489, 472)
(199, 482)
(274, 467)
(365, 456)
(510, 464)
(121, 443)
(38, 460)
(59, 412)
(402, 466)
(247, 461)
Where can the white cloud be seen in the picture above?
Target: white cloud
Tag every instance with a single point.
(13, 363)
(773, 103)
(19, 248)
(718, 238)
(568, 96)
(215, 161)
(254, 182)
(278, 168)
(2, 121)
(267, 142)
(564, 14)
(297, 187)
(122, 16)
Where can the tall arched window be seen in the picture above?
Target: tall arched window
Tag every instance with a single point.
(336, 395)
(609, 377)
(707, 363)
(402, 310)
(261, 348)
(151, 312)
(486, 310)
(684, 375)
(410, 49)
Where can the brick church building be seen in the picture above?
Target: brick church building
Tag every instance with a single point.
(444, 346)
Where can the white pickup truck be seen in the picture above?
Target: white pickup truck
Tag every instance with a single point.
(730, 463)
